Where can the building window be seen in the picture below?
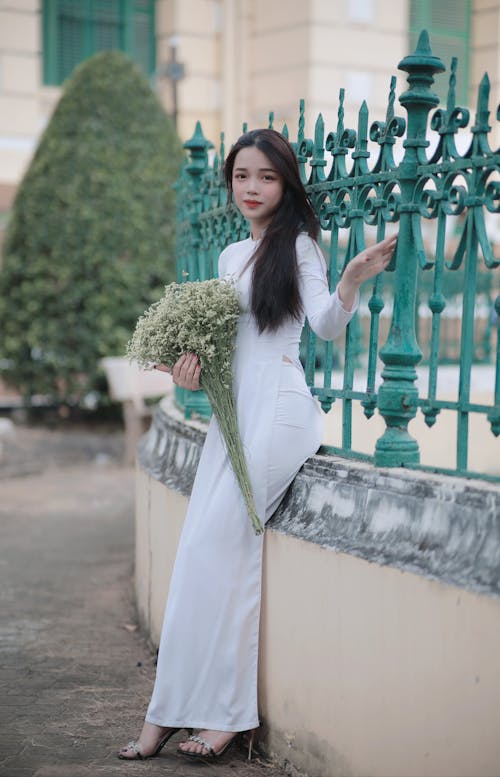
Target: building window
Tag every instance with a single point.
(73, 30)
(449, 25)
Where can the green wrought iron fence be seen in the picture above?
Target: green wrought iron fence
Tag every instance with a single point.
(360, 195)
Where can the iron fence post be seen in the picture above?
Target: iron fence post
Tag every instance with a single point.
(195, 169)
(398, 395)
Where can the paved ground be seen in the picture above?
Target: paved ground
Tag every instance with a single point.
(75, 671)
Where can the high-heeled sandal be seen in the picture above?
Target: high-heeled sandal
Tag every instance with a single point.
(213, 754)
(137, 749)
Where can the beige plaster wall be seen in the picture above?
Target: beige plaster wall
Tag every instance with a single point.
(266, 56)
(242, 59)
(196, 27)
(383, 673)
(19, 85)
(364, 669)
(359, 54)
(159, 518)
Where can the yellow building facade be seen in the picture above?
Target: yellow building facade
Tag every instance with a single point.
(243, 58)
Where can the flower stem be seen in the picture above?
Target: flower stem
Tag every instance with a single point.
(224, 408)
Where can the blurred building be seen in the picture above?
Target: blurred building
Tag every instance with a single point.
(230, 61)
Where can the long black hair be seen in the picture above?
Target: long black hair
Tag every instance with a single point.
(275, 287)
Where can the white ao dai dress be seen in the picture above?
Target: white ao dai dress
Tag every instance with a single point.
(207, 662)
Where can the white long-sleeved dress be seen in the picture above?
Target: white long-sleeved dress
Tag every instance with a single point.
(207, 661)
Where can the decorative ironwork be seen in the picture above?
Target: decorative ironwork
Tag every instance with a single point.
(426, 192)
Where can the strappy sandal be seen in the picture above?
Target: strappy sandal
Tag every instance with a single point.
(137, 749)
(212, 754)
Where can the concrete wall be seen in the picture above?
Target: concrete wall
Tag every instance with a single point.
(380, 614)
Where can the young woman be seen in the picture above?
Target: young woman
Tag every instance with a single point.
(207, 663)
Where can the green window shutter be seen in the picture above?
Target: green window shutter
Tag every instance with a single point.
(449, 25)
(108, 25)
(49, 40)
(72, 44)
(73, 30)
(144, 48)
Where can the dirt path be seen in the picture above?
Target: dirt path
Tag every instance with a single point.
(75, 672)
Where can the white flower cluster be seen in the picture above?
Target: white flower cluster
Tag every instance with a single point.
(197, 316)
(200, 317)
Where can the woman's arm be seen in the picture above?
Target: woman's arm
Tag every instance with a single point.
(329, 314)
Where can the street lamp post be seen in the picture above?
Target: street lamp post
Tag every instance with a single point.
(175, 72)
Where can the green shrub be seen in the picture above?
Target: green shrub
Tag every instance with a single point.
(90, 242)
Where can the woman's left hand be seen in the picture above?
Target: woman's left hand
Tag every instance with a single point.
(185, 372)
(364, 266)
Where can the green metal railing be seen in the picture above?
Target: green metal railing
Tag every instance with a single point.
(352, 197)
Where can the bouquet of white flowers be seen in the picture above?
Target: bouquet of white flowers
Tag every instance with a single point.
(200, 317)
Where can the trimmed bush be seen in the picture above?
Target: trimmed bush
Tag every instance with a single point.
(90, 242)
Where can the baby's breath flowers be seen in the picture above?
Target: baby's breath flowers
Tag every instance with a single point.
(200, 317)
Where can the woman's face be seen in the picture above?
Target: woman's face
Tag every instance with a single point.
(257, 188)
